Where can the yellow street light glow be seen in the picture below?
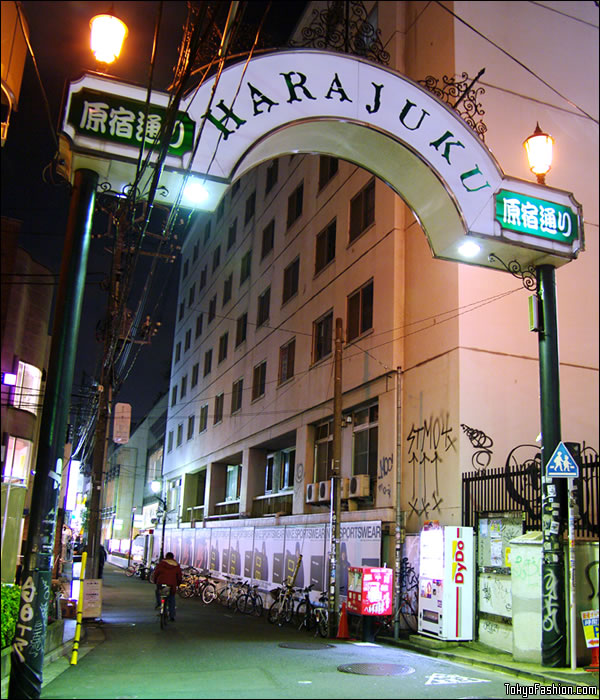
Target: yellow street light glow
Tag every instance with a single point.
(108, 35)
(195, 193)
(469, 249)
(539, 153)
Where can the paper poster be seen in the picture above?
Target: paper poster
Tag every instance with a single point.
(201, 548)
(187, 548)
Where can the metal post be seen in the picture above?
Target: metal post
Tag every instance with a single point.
(336, 494)
(399, 539)
(30, 635)
(131, 535)
(554, 638)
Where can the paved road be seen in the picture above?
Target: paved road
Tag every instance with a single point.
(213, 653)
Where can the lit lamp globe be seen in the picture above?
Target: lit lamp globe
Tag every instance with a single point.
(155, 486)
(108, 35)
(539, 153)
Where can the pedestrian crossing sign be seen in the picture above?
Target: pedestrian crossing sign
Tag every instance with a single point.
(562, 463)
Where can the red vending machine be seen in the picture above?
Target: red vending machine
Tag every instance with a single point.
(370, 590)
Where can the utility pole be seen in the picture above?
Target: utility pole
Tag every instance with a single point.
(336, 491)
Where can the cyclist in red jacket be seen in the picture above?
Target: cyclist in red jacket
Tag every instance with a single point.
(168, 573)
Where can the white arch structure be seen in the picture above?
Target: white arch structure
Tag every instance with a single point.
(340, 105)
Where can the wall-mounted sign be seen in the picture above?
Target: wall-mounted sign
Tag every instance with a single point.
(110, 117)
(536, 217)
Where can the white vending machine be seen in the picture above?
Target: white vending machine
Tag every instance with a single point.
(447, 583)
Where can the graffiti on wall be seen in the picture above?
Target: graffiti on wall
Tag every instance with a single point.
(384, 476)
(483, 447)
(427, 445)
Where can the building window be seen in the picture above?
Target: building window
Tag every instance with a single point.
(203, 418)
(328, 167)
(186, 267)
(323, 451)
(272, 173)
(181, 310)
(325, 251)
(190, 430)
(233, 481)
(178, 352)
(174, 395)
(360, 312)
(216, 258)
(192, 295)
(170, 441)
(195, 252)
(223, 340)
(179, 434)
(235, 188)
(212, 308)
(287, 354)
(232, 234)
(268, 238)
(236, 395)
(183, 391)
(291, 276)
(219, 408)
(250, 207)
(362, 211)
(295, 204)
(203, 276)
(199, 319)
(207, 231)
(27, 390)
(269, 473)
(240, 329)
(207, 362)
(17, 463)
(227, 289)
(364, 437)
(245, 267)
(264, 302)
(259, 380)
(221, 210)
(322, 336)
(195, 373)
(188, 339)
(287, 470)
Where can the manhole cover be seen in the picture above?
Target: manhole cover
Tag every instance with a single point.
(306, 645)
(377, 669)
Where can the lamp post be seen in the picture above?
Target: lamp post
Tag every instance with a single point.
(131, 535)
(554, 637)
(156, 486)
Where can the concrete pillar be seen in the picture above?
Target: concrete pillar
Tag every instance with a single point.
(216, 476)
(305, 461)
(253, 477)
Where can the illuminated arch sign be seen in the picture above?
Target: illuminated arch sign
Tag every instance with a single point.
(335, 104)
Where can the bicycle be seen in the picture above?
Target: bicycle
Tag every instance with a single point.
(321, 614)
(282, 609)
(304, 612)
(138, 569)
(163, 611)
(251, 601)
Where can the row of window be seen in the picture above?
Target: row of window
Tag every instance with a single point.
(359, 321)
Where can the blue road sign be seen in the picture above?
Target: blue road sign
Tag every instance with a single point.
(562, 463)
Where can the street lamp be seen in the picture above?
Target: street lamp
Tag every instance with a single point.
(554, 637)
(107, 36)
(156, 486)
(131, 536)
(539, 153)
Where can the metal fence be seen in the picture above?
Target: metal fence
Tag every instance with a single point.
(517, 487)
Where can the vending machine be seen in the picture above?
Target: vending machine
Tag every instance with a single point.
(447, 583)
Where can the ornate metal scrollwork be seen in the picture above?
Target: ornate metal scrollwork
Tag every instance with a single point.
(343, 26)
(527, 276)
(460, 94)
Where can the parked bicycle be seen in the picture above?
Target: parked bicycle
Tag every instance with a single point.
(250, 601)
(304, 612)
(138, 569)
(282, 609)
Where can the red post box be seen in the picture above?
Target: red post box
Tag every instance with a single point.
(370, 590)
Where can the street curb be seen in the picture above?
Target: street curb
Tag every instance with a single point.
(60, 659)
(546, 676)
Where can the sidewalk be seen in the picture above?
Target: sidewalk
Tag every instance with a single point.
(476, 654)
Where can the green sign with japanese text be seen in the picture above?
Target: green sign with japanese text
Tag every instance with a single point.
(536, 217)
(114, 118)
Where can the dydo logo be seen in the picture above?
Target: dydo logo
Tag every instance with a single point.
(458, 558)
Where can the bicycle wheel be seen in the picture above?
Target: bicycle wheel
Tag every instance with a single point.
(209, 593)
(258, 606)
(274, 611)
(304, 616)
(163, 613)
(245, 604)
(185, 590)
(288, 610)
(130, 570)
(323, 623)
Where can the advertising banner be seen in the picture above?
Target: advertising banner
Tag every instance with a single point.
(187, 548)
(219, 550)
(360, 545)
(201, 548)
(307, 540)
(268, 554)
(243, 538)
(175, 544)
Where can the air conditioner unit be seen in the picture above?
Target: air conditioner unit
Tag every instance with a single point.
(359, 486)
(312, 493)
(345, 485)
(324, 490)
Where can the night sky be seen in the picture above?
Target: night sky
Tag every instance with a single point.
(59, 35)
